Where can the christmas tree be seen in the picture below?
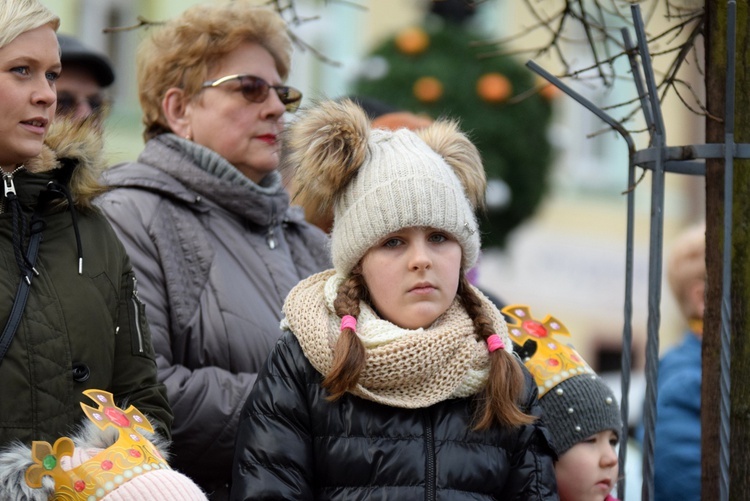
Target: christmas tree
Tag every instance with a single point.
(437, 69)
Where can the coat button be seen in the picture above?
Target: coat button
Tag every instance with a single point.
(81, 373)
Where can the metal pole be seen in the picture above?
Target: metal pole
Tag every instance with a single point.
(627, 328)
(660, 159)
(655, 264)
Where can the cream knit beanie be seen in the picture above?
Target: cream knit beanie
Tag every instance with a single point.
(380, 181)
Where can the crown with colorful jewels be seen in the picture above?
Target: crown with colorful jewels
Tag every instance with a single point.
(130, 456)
(550, 361)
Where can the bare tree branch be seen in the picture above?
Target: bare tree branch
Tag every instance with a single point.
(599, 23)
(286, 9)
(142, 23)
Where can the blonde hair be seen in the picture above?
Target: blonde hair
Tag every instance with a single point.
(687, 265)
(19, 16)
(180, 53)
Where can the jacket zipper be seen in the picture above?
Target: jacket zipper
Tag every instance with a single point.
(136, 310)
(8, 180)
(270, 237)
(430, 486)
(9, 186)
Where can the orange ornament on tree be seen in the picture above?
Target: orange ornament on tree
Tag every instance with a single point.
(549, 91)
(428, 89)
(494, 87)
(412, 41)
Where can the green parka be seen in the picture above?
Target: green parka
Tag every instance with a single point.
(79, 330)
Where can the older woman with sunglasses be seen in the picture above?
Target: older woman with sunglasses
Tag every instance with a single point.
(207, 221)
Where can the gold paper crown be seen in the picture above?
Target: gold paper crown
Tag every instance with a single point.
(550, 362)
(130, 456)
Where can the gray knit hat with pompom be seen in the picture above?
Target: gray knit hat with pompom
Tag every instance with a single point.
(379, 181)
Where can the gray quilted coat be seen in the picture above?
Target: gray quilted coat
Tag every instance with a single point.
(216, 255)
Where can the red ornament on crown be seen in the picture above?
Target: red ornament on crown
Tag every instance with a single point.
(552, 361)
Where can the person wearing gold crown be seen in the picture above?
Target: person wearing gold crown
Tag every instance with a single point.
(110, 459)
(394, 377)
(580, 410)
(70, 315)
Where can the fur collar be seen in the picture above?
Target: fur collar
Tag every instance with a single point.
(77, 145)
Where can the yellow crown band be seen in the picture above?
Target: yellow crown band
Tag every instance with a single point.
(550, 361)
(131, 455)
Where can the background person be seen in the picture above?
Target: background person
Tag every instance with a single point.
(114, 456)
(207, 221)
(580, 410)
(85, 76)
(395, 377)
(677, 442)
(80, 325)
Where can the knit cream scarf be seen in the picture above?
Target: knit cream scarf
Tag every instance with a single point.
(404, 368)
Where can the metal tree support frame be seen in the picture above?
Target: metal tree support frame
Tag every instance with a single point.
(660, 159)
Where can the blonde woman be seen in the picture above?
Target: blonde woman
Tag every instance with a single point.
(70, 315)
(207, 221)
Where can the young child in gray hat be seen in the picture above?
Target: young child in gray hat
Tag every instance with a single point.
(580, 410)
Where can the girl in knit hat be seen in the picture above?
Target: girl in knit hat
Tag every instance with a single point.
(580, 410)
(394, 378)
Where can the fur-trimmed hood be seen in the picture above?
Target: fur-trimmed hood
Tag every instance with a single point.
(76, 145)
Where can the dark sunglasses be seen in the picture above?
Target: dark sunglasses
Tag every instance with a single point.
(255, 90)
(67, 103)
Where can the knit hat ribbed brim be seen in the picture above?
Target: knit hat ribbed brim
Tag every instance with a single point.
(157, 485)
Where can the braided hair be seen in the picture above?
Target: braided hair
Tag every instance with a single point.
(500, 398)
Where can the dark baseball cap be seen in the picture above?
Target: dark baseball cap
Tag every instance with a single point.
(72, 51)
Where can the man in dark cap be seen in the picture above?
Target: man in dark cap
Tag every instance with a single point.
(85, 75)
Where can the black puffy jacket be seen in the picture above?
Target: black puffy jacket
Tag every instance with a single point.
(295, 444)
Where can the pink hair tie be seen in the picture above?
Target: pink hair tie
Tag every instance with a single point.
(348, 322)
(495, 342)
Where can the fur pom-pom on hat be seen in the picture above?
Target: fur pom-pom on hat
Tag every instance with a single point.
(326, 149)
(380, 181)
